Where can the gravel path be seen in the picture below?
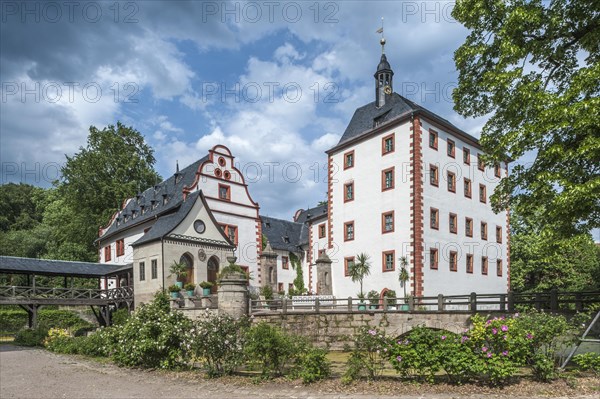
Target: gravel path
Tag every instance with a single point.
(36, 373)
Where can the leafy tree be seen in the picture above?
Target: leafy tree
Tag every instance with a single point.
(541, 258)
(115, 164)
(533, 66)
(21, 206)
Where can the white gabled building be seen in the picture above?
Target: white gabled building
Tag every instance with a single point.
(404, 182)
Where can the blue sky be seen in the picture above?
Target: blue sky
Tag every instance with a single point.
(187, 75)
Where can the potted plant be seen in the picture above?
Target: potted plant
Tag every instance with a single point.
(266, 292)
(179, 269)
(391, 299)
(189, 289)
(358, 271)
(206, 286)
(373, 299)
(403, 278)
(361, 301)
(174, 290)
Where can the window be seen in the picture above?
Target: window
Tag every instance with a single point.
(348, 192)
(451, 182)
(348, 264)
(433, 175)
(433, 258)
(467, 156)
(453, 223)
(482, 193)
(499, 234)
(224, 192)
(434, 218)
(290, 287)
(387, 222)
(348, 231)
(120, 247)
(451, 148)
(387, 144)
(452, 261)
(349, 159)
(280, 287)
(142, 271)
(107, 253)
(480, 163)
(322, 231)
(497, 171)
(469, 263)
(484, 265)
(388, 258)
(387, 179)
(285, 262)
(499, 268)
(469, 227)
(433, 139)
(154, 269)
(231, 232)
(483, 230)
(467, 188)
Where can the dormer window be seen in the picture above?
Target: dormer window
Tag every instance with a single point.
(119, 221)
(178, 177)
(286, 239)
(134, 214)
(154, 204)
(268, 224)
(380, 119)
(165, 198)
(143, 209)
(125, 217)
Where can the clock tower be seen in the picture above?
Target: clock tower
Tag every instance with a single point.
(383, 79)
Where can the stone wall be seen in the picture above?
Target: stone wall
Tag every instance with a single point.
(334, 330)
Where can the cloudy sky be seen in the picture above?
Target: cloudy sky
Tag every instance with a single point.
(276, 82)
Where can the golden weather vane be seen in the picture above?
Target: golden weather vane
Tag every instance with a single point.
(382, 40)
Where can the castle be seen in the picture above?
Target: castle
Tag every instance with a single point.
(403, 183)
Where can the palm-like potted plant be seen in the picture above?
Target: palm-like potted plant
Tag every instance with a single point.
(357, 271)
(206, 286)
(179, 269)
(403, 278)
(373, 299)
(189, 289)
(174, 290)
(391, 299)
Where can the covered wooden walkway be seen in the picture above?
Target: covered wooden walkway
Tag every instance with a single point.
(33, 296)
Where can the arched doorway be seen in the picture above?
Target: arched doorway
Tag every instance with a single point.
(213, 271)
(189, 262)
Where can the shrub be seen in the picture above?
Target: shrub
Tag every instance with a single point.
(371, 349)
(65, 319)
(58, 340)
(217, 341)
(272, 349)
(152, 337)
(12, 320)
(313, 365)
(119, 317)
(31, 336)
(206, 284)
(418, 353)
(588, 361)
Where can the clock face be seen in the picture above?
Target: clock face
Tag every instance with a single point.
(199, 226)
(387, 90)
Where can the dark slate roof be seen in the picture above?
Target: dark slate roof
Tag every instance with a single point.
(49, 267)
(310, 214)
(173, 190)
(277, 229)
(363, 120)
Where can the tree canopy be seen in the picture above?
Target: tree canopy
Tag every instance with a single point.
(533, 68)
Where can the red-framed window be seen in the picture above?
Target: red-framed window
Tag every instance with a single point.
(349, 159)
(231, 232)
(469, 264)
(120, 247)
(434, 176)
(387, 222)
(107, 253)
(349, 192)
(285, 262)
(433, 258)
(484, 265)
(348, 263)
(467, 183)
(224, 192)
(467, 156)
(433, 139)
(469, 227)
(484, 234)
(497, 170)
(434, 218)
(453, 223)
(322, 230)
(349, 232)
(499, 267)
(387, 179)
(482, 193)
(451, 148)
(499, 234)
(480, 163)
(388, 144)
(388, 261)
(451, 182)
(453, 261)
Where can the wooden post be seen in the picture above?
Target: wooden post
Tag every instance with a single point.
(440, 303)
(411, 304)
(32, 316)
(503, 302)
(553, 300)
(473, 302)
(349, 304)
(33, 284)
(385, 303)
(317, 305)
(578, 302)
(511, 301)
(538, 301)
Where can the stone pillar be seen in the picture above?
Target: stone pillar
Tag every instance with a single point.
(324, 275)
(268, 267)
(233, 296)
